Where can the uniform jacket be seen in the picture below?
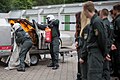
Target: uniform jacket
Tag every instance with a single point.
(54, 25)
(97, 35)
(84, 53)
(110, 31)
(116, 25)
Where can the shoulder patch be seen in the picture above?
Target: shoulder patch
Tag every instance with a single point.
(111, 27)
(85, 36)
(96, 32)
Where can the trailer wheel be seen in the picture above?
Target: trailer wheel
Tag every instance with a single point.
(34, 59)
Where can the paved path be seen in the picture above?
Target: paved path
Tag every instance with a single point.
(67, 71)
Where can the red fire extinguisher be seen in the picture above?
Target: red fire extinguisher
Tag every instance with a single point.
(48, 35)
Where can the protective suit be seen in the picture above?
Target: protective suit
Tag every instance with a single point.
(14, 57)
(23, 42)
(54, 45)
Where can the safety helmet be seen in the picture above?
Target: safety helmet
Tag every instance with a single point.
(50, 17)
(16, 26)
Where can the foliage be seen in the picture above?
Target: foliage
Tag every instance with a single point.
(7, 5)
(4, 5)
(21, 4)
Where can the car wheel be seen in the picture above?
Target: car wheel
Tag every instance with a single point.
(34, 59)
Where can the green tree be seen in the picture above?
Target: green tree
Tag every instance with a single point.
(22, 4)
(5, 6)
(53, 2)
(48, 2)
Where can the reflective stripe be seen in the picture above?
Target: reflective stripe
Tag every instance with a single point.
(5, 47)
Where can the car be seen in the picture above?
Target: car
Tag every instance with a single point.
(40, 46)
(67, 38)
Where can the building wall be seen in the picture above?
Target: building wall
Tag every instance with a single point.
(73, 20)
(34, 17)
(68, 22)
(65, 14)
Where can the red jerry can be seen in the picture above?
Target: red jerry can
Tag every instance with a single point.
(48, 35)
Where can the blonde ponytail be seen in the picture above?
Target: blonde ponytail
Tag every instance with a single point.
(84, 22)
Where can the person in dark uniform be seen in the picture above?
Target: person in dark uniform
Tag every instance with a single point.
(24, 41)
(96, 43)
(83, 52)
(116, 24)
(54, 45)
(109, 27)
(104, 16)
(112, 15)
(77, 39)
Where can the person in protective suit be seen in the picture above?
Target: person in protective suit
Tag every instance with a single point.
(54, 45)
(116, 25)
(96, 43)
(24, 41)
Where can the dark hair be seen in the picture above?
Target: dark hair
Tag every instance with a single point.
(111, 11)
(96, 11)
(105, 12)
(117, 7)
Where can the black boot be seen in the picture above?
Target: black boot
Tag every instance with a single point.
(79, 76)
(55, 67)
(22, 69)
